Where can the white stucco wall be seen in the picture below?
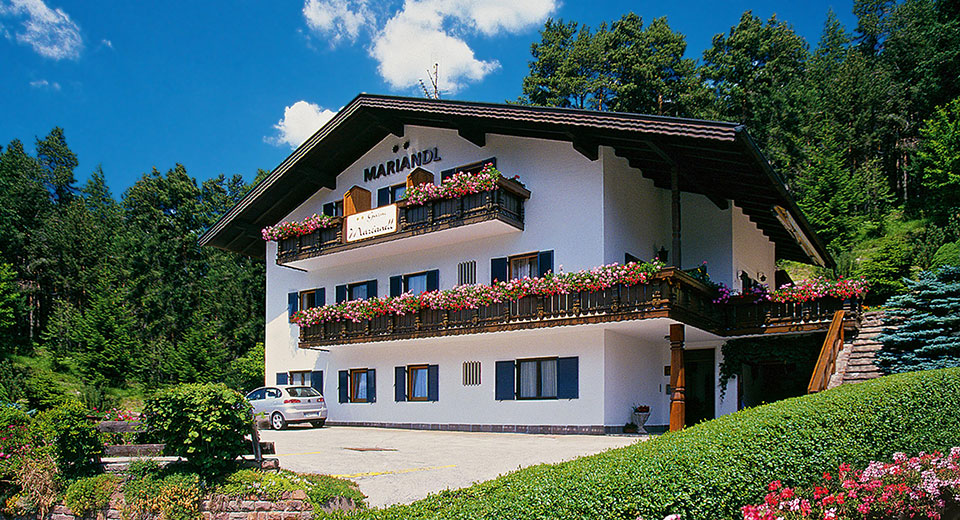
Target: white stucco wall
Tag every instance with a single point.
(753, 252)
(636, 215)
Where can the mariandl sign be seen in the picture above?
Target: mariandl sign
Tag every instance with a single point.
(372, 223)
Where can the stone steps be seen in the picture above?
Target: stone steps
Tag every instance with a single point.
(859, 351)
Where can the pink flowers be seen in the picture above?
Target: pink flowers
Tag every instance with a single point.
(455, 186)
(294, 229)
(474, 296)
(914, 487)
(798, 292)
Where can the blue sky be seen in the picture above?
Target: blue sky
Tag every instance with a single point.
(229, 87)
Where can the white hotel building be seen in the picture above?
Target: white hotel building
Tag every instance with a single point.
(597, 188)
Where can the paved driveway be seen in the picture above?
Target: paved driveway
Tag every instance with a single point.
(400, 466)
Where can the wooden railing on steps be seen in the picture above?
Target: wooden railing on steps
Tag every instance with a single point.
(827, 361)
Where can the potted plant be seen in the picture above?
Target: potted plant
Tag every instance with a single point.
(641, 413)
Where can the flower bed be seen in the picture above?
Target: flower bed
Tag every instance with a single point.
(914, 487)
(297, 228)
(473, 296)
(455, 186)
(799, 292)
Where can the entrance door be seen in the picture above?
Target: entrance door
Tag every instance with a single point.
(700, 384)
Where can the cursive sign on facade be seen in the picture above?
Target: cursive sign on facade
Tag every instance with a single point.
(372, 223)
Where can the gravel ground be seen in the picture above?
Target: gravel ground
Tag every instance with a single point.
(400, 466)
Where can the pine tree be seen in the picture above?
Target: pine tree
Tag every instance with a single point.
(929, 333)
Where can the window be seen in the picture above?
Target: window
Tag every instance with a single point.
(357, 291)
(471, 373)
(468, 168)
(271, 393)
(312, 298)
(397, 192)
(302, 391)
(299, 378)
(358, 385)
(537, 378)
(523, 266)
(467, 273)
(333, 209)
(256, 395)
(417, 383)
(415, 283)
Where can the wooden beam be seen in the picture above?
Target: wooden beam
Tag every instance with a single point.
(589, 148)
(675, 216)
(678, 406)
(473, 134)
(686, 173)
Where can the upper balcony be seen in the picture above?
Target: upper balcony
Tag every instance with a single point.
(487, 213)
(671, 294)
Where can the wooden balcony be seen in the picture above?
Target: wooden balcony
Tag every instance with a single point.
(670, 294)
(504, 204)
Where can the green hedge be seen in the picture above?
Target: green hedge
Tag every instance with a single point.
(711, 470)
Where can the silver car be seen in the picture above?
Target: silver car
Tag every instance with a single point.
(283, 404)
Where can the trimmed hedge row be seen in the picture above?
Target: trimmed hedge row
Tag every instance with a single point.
(712, 469)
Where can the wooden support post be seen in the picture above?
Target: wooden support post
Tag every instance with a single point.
(677, 379)
(675, 215)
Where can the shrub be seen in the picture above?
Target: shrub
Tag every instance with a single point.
(91, 493)
(74, 441)
(272, 486)
(205, 423)
(175, 496)
(713, 469)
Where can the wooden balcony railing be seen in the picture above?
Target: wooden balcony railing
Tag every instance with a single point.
(504, 204)
(670, 294)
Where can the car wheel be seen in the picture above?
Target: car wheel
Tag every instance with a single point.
(318, 424)
(277, 421)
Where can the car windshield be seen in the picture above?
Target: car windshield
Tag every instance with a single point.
(302, 391)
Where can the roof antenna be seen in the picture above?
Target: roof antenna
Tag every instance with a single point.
(435, 80)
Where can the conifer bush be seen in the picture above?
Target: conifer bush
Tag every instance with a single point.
(713, 469)
(928, 336)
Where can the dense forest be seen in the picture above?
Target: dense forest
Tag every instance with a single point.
(103, 297)
(107, 298)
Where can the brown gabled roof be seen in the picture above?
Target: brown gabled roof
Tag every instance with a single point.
(717, 159)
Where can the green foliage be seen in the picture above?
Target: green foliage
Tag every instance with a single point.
(712, 469)
(11, 301)
(75, 443)
(91, 493)
(247, 371)
(205, 423)
(886, 262)
(272, 486)
(928, 335)
(159, 494)
(948, 254)
(105, 337)
(801, 351)
(938, 160)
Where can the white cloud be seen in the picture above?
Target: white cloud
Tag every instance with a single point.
(106, 43)
(44, 84)
(300, 120)
(50, 32)
(424, 32)
(340, 19)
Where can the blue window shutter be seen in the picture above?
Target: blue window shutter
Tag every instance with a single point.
(433, 280)
(396, 285)
(506, 386)
(293, 303)
(372, 289)
(341, 293)
(321, 297)
(281, 378)
(316, 380)
(545, 262)
(344, 386)
(400, 384)
(498, 270)
(433, 382)
(371, 386)
(383, 197)
(568, 378)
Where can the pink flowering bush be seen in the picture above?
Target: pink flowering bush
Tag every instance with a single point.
(298, 228)
(455, 186)
(909, 487)
(474, 296)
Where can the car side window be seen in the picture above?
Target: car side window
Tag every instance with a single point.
(256, 395)
(272, 393)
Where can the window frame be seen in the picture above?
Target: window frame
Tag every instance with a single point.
(355, 373)
(393, 192)
(405, 283)
(337, 208)
(535, 256)
(538, 361)
(305, 377)
(352, 286)
(305, 294)
(410, 383)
